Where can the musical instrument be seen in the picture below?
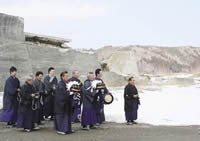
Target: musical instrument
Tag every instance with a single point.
(108, 98)
(100, 86)
(75, 88)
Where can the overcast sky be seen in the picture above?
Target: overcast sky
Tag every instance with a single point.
(97, 23)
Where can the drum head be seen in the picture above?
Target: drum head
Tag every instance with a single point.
(108, 98)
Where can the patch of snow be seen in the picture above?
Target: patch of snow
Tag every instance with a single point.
(85, 51)
(1, 100)
(172, 105)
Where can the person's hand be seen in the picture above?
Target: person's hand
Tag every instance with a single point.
(135, 96)
(18, 89)
(33, 95)
(54, 88)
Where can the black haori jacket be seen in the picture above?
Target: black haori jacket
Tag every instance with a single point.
(26, 99)
(63, 100)
(129, 92)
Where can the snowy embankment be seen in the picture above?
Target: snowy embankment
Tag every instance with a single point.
(1, 100)
(168, 105)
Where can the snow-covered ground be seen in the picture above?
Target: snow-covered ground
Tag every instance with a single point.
(166, 105)
(169, 105)
(1, 100)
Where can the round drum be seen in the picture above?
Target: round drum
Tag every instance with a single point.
(108, 98)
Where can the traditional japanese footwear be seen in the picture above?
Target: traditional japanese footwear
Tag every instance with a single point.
(133, 122)
(93, 127)
(36, 128)
(85, 128)
(70, 132)
(61, 133)
(27, 130)
(129, 123)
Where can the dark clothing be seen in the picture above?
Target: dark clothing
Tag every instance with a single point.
(63, 101)
(130, 116)
(131, 103)
(76, 102)
(89, 116)
(62, 123)
(26, 92)
(25, 114)
(38, 102)
(10, 103)
(49, 97)
(25, 120)
(100, 103)
(89, 95)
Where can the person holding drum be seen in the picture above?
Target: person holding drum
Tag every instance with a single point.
(131, 99)
(101, 91)
(76, 102)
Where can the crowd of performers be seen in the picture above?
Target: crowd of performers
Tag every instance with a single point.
(64, 102)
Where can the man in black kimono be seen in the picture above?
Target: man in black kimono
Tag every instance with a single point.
(100, 98)
(25, 115)
(10, 103)
(89, 116)
(50, 82)
(131, 99)
(63, 106)
(76, 102)
(38, 101)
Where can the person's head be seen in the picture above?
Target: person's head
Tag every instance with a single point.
(131, 80)
(13, 71)
(64, 76)
(98, 73)
(75, 74)
(39, 75)
(51, 71)
(29, 79)
(90, 76)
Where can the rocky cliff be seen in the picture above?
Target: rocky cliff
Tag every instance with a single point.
(150, 59)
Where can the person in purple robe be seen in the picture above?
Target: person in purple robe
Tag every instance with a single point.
(77, 99)
(50, 82)
(38, 101)
(131, 102)
(89, 117)
(25, 113)
(63, 107)
(10, 103)
(100, 98)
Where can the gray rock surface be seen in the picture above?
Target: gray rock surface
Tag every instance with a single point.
(11, 27)
(150, 59)
(29, 58)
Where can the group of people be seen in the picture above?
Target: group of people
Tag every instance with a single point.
(64, 102)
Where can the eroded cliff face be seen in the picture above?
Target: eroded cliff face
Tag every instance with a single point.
(150, 59)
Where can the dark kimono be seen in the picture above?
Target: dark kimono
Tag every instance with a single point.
(76, 102)
(49, 97)
(89, 116)
(100, 103)
(131, 103)
(10, 103)
(63, 101)
(25, 113)
(38, 102)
